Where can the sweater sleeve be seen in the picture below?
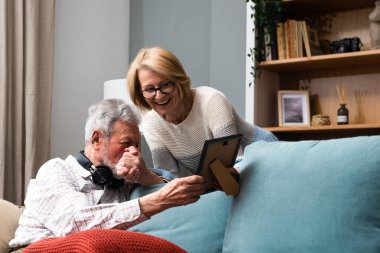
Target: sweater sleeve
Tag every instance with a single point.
(163, 159)
(161, 156)
(220, 116)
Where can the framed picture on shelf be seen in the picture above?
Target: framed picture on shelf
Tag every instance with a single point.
(293, 108)
(313, 40)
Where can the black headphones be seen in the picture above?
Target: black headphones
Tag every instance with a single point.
(101, 174)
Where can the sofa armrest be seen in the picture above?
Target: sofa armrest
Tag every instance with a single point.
(9, 216)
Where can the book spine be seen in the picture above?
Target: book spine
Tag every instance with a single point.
(274, 48)
(280, 41)
(305, 38)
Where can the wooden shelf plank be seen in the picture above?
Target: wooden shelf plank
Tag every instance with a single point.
(307, 7)
(322, 128)
(324, 132)
(320, 62)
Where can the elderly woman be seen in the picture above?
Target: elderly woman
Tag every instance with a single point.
(179, 118)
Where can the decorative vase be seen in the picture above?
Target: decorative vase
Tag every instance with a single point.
(342, 115)
(374, 28)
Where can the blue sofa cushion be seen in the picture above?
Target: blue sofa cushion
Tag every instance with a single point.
(308, 196)
(198, 227)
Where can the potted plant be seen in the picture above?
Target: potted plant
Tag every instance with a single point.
(266, 15)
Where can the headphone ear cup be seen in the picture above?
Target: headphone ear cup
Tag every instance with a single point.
(116, 182)
(102, 175)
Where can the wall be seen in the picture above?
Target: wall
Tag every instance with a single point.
(228, 55)
(91, 46)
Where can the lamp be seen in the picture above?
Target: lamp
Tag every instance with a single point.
(117, 88)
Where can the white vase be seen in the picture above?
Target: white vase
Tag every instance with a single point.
(374, 27)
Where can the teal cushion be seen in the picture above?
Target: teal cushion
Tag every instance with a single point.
(198, 227)
(308, 196)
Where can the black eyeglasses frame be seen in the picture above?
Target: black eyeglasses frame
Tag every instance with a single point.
(164, 84)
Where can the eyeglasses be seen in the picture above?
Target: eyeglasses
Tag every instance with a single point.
(165, 88)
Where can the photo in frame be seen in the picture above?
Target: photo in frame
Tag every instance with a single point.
(293, 108)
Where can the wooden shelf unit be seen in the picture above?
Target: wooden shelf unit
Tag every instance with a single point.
(358, 71)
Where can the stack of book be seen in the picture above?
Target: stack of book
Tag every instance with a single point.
(296, 39)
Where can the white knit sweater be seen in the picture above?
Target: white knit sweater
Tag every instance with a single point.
(177, 148)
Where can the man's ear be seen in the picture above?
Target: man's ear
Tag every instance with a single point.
(95, 139)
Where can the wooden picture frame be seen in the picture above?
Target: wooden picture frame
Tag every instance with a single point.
(223, 150)
(315, 47)
(293, 108)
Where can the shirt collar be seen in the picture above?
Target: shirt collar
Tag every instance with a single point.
(82, 171)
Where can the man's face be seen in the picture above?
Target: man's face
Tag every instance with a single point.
(124, 136)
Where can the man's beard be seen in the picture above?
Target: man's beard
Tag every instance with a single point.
(107, 161)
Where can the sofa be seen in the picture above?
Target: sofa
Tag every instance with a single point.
(305, 196)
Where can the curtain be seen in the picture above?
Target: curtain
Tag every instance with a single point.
(26, 77)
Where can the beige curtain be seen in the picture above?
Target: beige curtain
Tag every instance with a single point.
(26, 76)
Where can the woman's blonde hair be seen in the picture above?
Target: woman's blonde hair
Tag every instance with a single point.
(163, 63)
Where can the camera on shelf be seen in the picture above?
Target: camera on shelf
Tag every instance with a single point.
(346, 45)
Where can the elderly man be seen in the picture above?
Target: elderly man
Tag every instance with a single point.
(91, 189)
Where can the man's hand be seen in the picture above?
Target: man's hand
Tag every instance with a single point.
(178, 192)
(132, 168)
(130, 165)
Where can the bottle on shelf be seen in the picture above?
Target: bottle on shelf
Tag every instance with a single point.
(342, 111)
(342, 115)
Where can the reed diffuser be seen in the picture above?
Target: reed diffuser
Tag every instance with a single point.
(360, 96)
(342, 111)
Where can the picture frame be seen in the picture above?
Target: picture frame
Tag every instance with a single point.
(224, 149)
(293, 108)
(313, 40)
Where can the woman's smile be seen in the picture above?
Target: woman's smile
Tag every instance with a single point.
(163, 102)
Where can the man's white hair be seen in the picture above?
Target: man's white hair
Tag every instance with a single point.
(103, 115)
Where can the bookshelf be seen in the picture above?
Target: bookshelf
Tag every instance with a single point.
(358, 71)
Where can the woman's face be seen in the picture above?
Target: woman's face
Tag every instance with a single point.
(163, 104)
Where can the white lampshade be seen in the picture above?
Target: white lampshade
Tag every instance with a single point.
(117, 88)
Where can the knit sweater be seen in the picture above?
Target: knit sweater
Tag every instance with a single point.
(177, 148)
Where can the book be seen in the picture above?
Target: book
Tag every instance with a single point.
(286, 39)
(268, 50)
(271, 50)
(305, 38)
(288, 36)
(294, 42)
(299, 39)
(292, 38)
(274, 48)
(281, 47)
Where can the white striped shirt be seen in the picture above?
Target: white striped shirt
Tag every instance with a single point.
(63, 200)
